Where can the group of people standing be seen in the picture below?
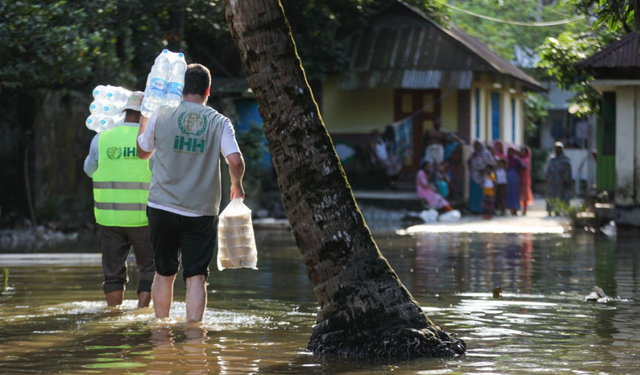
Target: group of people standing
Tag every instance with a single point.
(499, 183)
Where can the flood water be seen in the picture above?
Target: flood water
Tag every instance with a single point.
(53, 318)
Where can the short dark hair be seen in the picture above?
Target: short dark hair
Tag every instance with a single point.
(197, 80)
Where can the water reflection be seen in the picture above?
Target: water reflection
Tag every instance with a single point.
(53, 319)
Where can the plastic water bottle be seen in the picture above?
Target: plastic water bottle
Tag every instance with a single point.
(107, 107)
(111, 110)
(118, 96)
(100, 92)
(165, 83)
(157, 87)
(176, 81)
(93, 123)
(106, 123)
(96, 108)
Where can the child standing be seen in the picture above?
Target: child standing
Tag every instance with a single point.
(501, 188)
(489, 200)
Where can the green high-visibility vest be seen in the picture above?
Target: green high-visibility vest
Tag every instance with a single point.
(121, 183)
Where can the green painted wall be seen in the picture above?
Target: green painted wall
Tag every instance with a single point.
(358, 111)
(606, 163)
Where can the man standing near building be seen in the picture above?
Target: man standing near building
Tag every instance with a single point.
(435, 140)
(120, 190)
(184, 197)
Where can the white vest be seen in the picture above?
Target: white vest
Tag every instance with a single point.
(186, 170)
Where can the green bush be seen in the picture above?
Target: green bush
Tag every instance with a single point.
(538, 160)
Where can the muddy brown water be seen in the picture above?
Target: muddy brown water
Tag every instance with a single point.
(53, 319)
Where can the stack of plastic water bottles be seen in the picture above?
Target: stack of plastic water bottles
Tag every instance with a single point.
(165, 82)
(106, 108)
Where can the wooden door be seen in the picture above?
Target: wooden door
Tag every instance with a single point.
(425, 105)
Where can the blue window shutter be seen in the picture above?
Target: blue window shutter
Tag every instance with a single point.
(513, 120)
(495, 115)
(477, 113)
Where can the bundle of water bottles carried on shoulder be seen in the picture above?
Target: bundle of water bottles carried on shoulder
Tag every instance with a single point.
(106, 108)
(165, 82)
(164, 87)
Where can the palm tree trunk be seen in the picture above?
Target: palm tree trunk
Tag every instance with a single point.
(364, 308)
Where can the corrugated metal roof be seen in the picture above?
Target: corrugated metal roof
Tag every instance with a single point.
(622, 53)
(403, 48)
(406, 78)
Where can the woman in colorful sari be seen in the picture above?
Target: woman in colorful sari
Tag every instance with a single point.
(478, 162)
(427, 191)
(514, 168)
(498, 150)
(526, 196)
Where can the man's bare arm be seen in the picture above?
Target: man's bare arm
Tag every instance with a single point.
(142, 154)
(236, 172)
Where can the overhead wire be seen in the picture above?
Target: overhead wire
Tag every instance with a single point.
(516, 23)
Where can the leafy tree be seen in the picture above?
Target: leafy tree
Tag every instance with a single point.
(535, 112)
(558, 55)
(509, 38)
(521, 44)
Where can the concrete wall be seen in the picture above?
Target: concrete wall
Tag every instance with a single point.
(626, 145)
(449, 110)
(358, 111)
(508, 89)
(627, 193)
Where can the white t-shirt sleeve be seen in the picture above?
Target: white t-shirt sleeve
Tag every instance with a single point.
(147, 140)
(228, 143)
(91, 162)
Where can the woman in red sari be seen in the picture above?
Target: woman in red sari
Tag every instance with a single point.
(526, 196)
(498, 150)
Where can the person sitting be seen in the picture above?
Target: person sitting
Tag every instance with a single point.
(425, 189)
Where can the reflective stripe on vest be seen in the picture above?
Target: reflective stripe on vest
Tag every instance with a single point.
(121, 182)
(121, 206)
(121, 185)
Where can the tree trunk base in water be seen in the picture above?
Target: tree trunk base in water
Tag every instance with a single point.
(399, 343)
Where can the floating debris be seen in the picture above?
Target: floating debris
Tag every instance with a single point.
(497, 292)
(597, 295)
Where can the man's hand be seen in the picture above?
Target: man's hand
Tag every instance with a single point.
(236, 191)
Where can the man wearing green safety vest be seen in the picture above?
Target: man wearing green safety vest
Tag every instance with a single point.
(120, 190)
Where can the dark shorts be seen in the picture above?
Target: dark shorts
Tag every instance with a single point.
(192, 238)
(116, 244)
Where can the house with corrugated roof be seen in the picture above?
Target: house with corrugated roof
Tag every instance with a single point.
(616, 69)
(404, 65)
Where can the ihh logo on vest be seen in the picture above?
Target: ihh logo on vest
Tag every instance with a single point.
(115, 152)
(191, 125)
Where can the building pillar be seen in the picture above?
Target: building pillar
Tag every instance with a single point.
(464, 115)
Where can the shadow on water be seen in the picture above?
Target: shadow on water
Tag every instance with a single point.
(53, 319)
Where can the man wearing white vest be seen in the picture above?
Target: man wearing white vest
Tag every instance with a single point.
(184, 196)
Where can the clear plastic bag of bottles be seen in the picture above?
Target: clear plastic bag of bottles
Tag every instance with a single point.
(236, 241)
(165, 82)
(106, 108)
